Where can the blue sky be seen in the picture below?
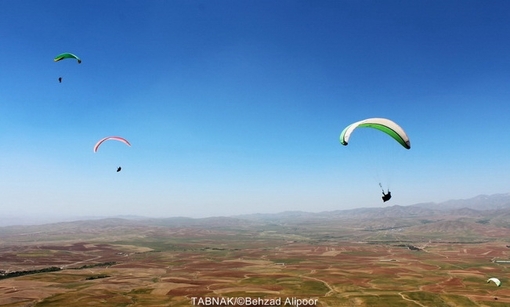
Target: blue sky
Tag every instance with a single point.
(235, 107)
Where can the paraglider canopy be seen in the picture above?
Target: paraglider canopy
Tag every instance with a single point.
(66, 55)
(382, 124)
(114, 138)
(495, 280)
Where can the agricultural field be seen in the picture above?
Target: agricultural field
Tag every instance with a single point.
(127, 265)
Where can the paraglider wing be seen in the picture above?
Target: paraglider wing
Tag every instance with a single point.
(115, 138)
(66, 55)
(495, 280)
(385, 125)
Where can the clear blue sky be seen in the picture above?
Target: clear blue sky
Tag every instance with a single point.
(235, 107)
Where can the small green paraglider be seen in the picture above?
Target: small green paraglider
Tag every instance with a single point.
(66, 55)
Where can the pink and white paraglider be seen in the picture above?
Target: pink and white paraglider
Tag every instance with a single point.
(112, 138)
(116, 138)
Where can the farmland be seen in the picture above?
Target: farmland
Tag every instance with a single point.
(118, 263)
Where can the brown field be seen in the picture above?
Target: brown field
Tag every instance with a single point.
(167, 266)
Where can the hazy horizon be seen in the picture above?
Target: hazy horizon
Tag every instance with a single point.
(27, 219)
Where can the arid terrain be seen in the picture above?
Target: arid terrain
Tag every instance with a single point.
(436, 260)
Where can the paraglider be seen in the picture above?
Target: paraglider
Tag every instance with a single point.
(495, 280)
(384, 125)
(115, 138)
(66, 55)
(386, 196)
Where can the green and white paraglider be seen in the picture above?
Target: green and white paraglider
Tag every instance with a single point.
(63, 56)
(66, 55)
(384, 125)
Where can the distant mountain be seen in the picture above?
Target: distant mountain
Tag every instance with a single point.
(487, 209)
(471, 207)
(479, 203)
(480, 214)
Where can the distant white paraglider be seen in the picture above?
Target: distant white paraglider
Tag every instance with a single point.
(495, 280)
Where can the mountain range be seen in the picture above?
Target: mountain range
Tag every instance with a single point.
(480, 214)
